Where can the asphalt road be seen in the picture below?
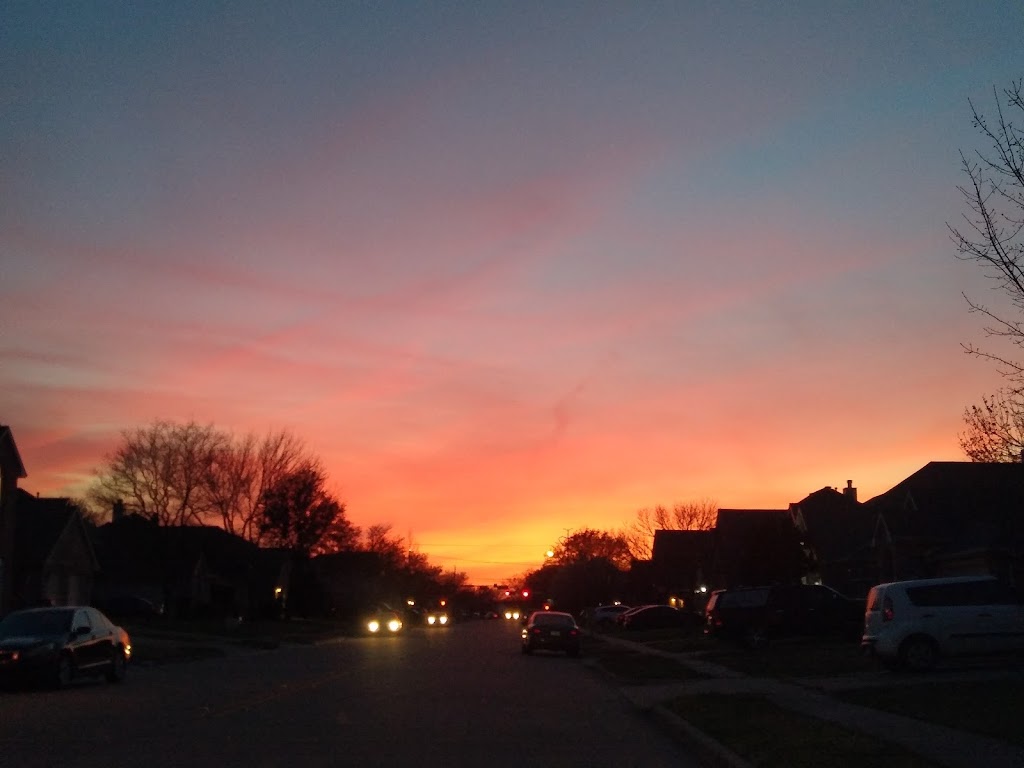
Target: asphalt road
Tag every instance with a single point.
(458, 696)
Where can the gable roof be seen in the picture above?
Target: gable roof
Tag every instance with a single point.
(9, 455)
(39, 525)
(742, 523)
(834, 524)
(682, 546)
(957, 505)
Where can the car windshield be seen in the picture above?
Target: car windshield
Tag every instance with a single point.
(552, 620)
(51, 622)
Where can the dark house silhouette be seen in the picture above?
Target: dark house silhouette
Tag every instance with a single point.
(191, 571)
(756, 546)
(951, 518)
(11, 470)
(835, 531)
(54, 562)
(681, 563)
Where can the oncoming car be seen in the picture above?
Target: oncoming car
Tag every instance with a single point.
(383, 621)
(512, 614)
(437, 618)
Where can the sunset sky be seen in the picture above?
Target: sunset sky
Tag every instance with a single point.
(509, 268)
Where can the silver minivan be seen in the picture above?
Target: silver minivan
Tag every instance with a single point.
(911, 624)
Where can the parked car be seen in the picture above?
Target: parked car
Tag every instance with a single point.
(57, 645)
(912, 624)
(551, 631)
(603, 616)
(383, 621)
(662, 617)
(620, 620)
(755, 615)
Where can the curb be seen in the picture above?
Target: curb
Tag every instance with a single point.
(709, 751)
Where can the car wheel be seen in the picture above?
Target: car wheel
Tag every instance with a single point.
(64, 673)
(918, 654)
(118, 667)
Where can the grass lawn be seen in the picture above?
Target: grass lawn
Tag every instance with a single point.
(769, 736)
(794, 659)
(989, 707)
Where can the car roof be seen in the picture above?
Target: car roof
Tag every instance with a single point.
(940, 580)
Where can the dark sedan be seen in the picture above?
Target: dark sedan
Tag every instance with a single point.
(662, 617)
(57, 645)
(551, 631)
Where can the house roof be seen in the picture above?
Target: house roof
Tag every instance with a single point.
(741, 523)
(834, 524)
(39, 524)
(9, 455)
(682, 546)
(957, 505)
(136, 547)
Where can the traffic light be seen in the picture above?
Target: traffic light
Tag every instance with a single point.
(526, 593)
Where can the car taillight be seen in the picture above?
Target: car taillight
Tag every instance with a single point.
(536, 631)
(887, 611)
(573, 632)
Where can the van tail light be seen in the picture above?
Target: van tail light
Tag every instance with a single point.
(887, 611)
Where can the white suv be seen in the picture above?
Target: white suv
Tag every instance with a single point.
(910, 624)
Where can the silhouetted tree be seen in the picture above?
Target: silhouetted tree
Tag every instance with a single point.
(159, 471)
(995, 429)
(587, 544)
(299, 513)
(690, 516)
(241, 470)
(991, 236)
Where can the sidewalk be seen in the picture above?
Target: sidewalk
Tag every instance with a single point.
(939, 744)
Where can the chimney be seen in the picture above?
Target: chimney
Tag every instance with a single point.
(849, 490)
(117, 513)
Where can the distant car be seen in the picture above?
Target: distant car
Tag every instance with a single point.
(512, 613)
(604, 616)
(383, 621)
(755, 615)
(57, 645)
(912, 624)
(551, 631)
(662, 617)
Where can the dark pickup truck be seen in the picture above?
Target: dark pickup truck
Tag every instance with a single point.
(754, 615)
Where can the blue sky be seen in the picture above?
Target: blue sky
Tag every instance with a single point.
(509, 268)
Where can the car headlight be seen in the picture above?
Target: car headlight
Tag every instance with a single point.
(443, 619)
(394, 625)
(431, 619)
(373, 625)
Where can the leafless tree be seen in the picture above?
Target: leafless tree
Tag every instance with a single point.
(159, 471)
(991, 236)
(689, 516)
(241, 472)
(995, 429)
